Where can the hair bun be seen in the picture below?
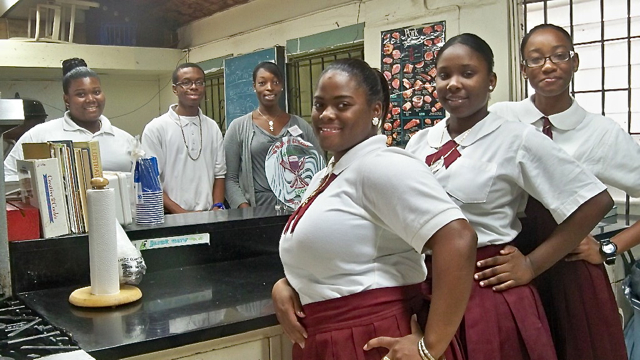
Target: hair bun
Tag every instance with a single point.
(70, 64)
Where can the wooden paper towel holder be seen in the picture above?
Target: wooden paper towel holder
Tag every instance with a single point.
(84, 298)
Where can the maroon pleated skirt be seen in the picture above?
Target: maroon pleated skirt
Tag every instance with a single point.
(577, 298)
(505, 325)
(339, 328)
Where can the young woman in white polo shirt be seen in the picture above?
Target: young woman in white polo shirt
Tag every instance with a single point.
(83, 121)
(577, 297)
(489, 165)
(353, 249)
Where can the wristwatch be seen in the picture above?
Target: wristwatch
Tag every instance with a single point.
(608, 250)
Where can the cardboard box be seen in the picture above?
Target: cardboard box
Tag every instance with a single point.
(41, 186)
(23, 221)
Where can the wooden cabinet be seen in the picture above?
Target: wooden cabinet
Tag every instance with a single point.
(263, 344)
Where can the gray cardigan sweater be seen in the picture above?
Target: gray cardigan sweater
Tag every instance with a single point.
(237, 146)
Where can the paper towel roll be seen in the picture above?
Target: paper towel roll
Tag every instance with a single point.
(103, 246)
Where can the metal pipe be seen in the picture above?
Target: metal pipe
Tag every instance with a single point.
(5, 266)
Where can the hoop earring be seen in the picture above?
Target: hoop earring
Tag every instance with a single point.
(375, 121)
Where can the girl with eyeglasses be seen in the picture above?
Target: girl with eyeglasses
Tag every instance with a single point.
(576, 293)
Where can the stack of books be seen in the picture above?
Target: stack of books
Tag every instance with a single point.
(55, 177)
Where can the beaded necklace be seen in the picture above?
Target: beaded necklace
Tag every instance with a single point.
(184, 139)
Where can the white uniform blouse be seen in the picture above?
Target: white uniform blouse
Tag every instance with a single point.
(501, 162)
(368, 228)
(171, 139)
(595, 141)
(115, 144)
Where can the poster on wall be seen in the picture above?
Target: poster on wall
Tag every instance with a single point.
(408, 63)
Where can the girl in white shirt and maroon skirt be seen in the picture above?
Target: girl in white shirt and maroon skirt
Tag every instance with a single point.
(489, 166)
(352, 252)
(576, 294)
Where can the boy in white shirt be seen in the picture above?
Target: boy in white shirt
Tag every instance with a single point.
(188, 145)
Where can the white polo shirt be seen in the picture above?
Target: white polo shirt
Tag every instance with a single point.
(115, 144)
(501, 162)
(595, 141)
(187, 182)
(368, 228)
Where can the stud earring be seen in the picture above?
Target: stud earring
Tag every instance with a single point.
(490, 88)
(525, 76)
(375, 121)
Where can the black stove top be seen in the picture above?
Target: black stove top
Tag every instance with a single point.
(26, 335)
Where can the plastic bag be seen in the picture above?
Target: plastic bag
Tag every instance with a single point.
(130, 262)
(136, 152)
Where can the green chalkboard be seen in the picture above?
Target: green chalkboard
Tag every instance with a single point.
(238, 81)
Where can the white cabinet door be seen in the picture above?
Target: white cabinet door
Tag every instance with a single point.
(262, 344)
(254, 350)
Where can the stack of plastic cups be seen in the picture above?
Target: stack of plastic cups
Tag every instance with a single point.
(149, 207)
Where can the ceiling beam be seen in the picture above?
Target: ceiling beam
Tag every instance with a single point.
(81, 3)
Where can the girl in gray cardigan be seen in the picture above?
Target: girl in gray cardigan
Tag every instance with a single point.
(249, 138)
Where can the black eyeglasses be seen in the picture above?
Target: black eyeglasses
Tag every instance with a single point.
(188, 83)
(556, 58)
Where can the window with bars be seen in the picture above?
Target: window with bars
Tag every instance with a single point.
(303, 72)
(606, 35)
(213, 102)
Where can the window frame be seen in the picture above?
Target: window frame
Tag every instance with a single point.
(324, 57)
(214, 81)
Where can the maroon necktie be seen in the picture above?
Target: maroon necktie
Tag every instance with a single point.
(295, 217)
(546, 127)
(449, 151)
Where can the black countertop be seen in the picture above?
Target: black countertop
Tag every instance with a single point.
(221, 219)
(234, 235)
(178, 307)
(190, 294)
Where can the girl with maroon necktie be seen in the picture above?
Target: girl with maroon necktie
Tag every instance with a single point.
(489, 166)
